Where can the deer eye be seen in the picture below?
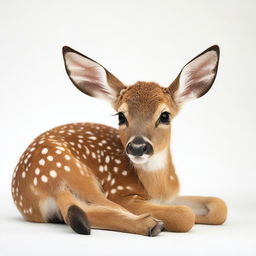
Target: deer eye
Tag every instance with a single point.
(121, 118)
(164, 118)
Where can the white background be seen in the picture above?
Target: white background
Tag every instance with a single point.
(214, 137)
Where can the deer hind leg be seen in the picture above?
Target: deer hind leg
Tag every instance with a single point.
(208, 210)
(80, 215)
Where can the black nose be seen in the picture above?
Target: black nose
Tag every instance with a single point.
(138, 147)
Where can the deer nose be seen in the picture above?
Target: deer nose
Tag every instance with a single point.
(138, 147)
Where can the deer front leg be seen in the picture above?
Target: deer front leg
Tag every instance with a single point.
(81, 215)
(175, 218)
(208, 210)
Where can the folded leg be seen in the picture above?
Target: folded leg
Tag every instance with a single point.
(208, 210)
(81, 215)
(175, 218)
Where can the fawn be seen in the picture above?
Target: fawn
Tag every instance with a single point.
(92, 175)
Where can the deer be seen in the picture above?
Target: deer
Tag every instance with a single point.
(92, 176)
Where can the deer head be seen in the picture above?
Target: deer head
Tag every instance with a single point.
(144, 109)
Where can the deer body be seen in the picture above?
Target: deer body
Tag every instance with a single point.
(92, 175)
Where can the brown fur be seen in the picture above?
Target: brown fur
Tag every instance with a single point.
(85, 165)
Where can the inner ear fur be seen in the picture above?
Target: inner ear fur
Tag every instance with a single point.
(90, 77)
(197, 76)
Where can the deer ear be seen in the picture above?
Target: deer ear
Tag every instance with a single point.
(90, 77)
(196, 77)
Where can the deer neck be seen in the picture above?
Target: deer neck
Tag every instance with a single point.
(158, 177)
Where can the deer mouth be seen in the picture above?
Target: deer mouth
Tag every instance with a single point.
(139, 159)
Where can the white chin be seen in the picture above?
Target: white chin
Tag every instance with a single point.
(139, 159)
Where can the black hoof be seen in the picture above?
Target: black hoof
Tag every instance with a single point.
(78, 221)
(156, 229)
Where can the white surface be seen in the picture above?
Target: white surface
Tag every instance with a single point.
(213, 137)
(236, 237)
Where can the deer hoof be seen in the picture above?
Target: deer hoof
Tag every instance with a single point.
(156, 229)
(78, 221)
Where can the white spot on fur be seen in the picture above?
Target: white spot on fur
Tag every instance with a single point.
(53, 174)
(113, 191)
(44, 179)
(67, 157)
(58, 164)
(44, 151)
(67, 168)
(107, 159)
(109, 177)
(41, 162)
(124, 173)
(60, 148)
(92, 138)
(50, 158)
(113, 181)
(58, 151)
(37, 171)
(35, 181)
(87, 151)
(117, 161)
